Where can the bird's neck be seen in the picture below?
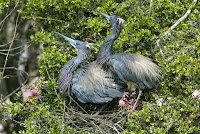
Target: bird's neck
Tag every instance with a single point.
(106, 49)
(75, 62)
(65, 76)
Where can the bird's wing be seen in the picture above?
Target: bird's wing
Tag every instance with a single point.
(135, 68)
(93, 84)
(64, 78)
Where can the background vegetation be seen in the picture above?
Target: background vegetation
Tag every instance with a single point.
(148, 31)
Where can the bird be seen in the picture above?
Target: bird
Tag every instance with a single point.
(65, 76)
(104, 79)
(127, 66)
(92, 82)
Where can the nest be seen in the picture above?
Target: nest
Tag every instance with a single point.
(86, 117)
(105, 122)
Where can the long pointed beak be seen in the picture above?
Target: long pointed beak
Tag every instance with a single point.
(105, 15)
(72, 42)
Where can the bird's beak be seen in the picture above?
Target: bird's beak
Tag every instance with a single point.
(72, 42)
(105, 15)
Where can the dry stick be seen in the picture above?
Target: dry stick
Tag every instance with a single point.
(83, 115)
(15, 47)
(5, 44)
(101, 109)
(140, 92)
(11, 45)
(21, 50)
(173, 26)
(17, 52)
(78, 105)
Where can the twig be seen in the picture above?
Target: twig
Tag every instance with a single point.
(11, 45)
(175, 25)
(101, 109)
(5, 44)
(2, 100)
(9, 13)
(15, 47)
(43, 18)
(140, 92)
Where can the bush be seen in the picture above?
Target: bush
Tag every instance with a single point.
(145, 24)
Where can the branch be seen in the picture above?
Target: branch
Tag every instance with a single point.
(5, 44)
(175, 25)
(14, 48)
(11, 45)
(43, 19)
(9, 13)
(22, 72)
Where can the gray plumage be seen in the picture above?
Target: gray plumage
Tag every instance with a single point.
(135, 68)
(88, 81)
(92, 83)
(65, 76)
(103, 79)
(129, 67)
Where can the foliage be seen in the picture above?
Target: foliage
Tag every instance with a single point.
(145, 24)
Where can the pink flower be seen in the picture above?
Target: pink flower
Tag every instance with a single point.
(125, 100)
(26, 92)
(1, 127)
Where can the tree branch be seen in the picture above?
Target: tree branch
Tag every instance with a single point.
(11, 45)
(9, 13)
(22, 72)
(175, 25)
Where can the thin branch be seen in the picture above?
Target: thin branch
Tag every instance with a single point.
(9, 13)
(21, 50)
(43, 18)
(11, 44)
(22, 72)
(5, 44)
(17, 52)
(175, 25)
(15, 47)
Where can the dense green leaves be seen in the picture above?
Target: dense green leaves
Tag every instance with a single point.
(145, 23)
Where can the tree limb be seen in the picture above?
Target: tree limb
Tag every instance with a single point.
(175, 25)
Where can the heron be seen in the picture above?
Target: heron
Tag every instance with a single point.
(104, 79)
(65, 76)
(127, 66)
(90, 83)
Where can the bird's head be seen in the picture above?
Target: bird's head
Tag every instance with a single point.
(114, 19)
(79, 45)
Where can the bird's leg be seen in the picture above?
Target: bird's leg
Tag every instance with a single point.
(140, 92)
(100, 109)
